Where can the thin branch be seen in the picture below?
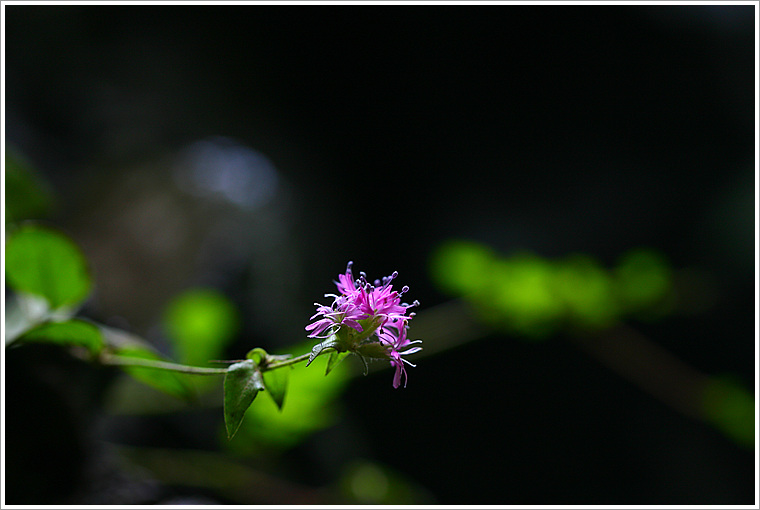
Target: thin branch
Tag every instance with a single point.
(128, 361)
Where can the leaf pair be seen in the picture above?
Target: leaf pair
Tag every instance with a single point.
(243, 382)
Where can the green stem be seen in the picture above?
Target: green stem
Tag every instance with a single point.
(128, 361)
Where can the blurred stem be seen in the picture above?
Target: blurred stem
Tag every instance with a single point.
(623, 350)
(651, 367)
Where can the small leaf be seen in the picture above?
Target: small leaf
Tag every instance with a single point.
(335, 358)
(276, 382)
(71, 332)
(43, 262)
(321, 346)
(241, 385)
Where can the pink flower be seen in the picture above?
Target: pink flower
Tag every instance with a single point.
(377, 321)
(397, 340)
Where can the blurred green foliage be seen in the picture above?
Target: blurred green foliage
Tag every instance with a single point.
(201, 323)
(644, 283)
(731, 408)
(365, 482)
(27, 196)
(44, 262)
(71, 332)
(534, 297)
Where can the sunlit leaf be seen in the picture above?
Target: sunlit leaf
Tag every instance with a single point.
(276, 382)
(335, 358)
(46, 263)
(201, 323)
(242, 383)
(71, 332)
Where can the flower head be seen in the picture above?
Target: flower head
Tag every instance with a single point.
(367, 320)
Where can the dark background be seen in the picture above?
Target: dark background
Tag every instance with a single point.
(556, 129)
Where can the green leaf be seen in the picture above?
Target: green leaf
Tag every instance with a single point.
(26, 195)
(276, 382)
(43, 262)
(168, 382)
(201, 323)
(71, 332)
(335, 358)
(241, 385)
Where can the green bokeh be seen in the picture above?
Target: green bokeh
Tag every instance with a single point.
(534, 297)
(364, 482)
(461, 267)
(201, 323)
(523, 295)
(730, 407)
(644, 281)
(587, 292)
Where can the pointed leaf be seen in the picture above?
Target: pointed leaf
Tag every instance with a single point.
(276, 382)
(242, 383)
(43, 262)
(335, 358)
(321, 346)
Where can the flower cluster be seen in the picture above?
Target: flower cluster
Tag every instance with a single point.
(368, 320)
